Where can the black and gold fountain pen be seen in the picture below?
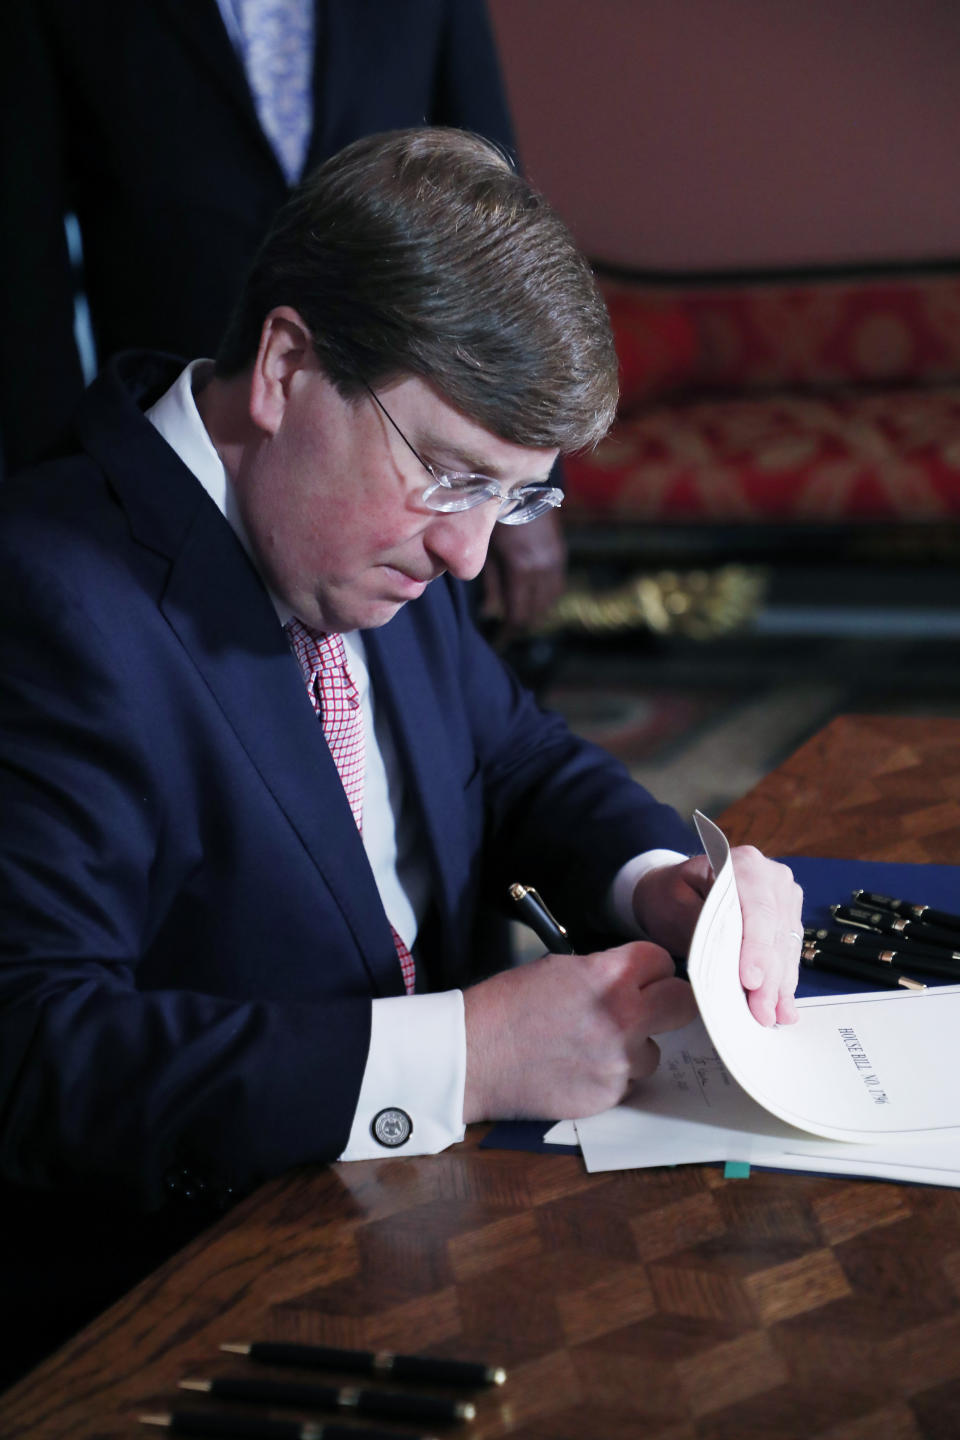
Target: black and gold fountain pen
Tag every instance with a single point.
(874, 972)
(889, 923)
(386, 1404)
(909, 909)
(242, 1427)
(428, 1368)
(871, 945)
(533, 912)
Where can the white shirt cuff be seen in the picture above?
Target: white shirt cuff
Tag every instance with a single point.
(625, 881)
(412, 1091)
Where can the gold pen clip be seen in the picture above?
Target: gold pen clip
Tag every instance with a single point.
(518, 892)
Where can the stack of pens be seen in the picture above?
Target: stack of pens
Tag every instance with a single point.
(394, 1404)
(886, 942)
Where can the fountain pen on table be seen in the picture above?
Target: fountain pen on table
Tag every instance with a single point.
(242, 1427)
(874, 972)
(870, 945)
(432, 1368)
(391, 1404)
(909, 909)
(889, 923)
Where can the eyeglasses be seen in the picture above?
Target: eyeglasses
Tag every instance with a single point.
(449, 492)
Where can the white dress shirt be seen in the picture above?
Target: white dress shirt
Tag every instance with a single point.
(418, 1050)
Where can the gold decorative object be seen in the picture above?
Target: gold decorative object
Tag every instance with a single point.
(700, 604)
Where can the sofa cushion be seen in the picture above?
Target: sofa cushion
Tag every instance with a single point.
(829, 334)
(656, 343)
(814, 333)
(857, 456)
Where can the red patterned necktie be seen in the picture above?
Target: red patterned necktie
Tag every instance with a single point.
(334, 696)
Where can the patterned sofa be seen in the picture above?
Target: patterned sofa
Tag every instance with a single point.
(768, 421)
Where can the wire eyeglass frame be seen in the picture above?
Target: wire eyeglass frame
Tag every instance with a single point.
(453, 491)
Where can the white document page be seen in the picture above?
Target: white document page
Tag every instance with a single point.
(854, 1067)
(692, 1111)
(862, 1084)
(563, 1133)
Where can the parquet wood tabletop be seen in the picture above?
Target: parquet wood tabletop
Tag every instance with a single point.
(672, 1304)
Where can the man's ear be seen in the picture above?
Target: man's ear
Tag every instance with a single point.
(285, 351)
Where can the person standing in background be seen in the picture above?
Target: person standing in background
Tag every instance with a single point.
(174, 130)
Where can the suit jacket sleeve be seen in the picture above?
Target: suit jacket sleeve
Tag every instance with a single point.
(560, 813)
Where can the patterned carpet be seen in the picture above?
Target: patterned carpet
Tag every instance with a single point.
(701, 723)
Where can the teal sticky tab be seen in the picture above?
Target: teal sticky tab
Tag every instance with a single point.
(736, 1170)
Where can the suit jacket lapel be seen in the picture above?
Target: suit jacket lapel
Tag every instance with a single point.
(331, 84)
(326, 84)
(217, 605)
(205, 36)
(343, 34)
(404, 684)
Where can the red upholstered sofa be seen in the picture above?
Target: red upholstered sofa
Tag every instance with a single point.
(766, 418)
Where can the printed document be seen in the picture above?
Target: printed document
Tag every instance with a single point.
(871, 1076)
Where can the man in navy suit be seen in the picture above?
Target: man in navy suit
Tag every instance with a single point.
(202, 975)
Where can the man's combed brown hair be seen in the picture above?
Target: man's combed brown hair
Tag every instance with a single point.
(422, 252)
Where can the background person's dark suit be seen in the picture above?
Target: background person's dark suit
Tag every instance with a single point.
(138, 117)
(191, 933)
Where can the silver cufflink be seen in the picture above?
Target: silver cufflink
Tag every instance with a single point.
(391, 1127)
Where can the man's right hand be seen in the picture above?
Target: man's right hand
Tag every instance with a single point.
(568, 1035)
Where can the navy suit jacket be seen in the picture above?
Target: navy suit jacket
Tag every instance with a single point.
(137, 116)
(191, 933)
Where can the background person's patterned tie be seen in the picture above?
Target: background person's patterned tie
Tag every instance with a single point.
(276, 43)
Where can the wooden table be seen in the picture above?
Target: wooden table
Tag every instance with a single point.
(665, 1304)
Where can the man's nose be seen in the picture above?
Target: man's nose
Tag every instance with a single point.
(460, 539)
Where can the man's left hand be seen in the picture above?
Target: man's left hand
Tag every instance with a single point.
(668, 900)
